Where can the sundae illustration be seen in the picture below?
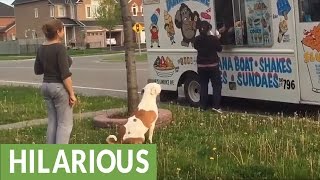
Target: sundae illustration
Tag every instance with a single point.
(154, 29)
(164, 67)
(169, 27)
(311, 41)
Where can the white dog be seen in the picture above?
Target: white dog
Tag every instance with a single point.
(143, 119)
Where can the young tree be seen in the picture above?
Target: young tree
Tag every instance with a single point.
(132, 85)
(108, 15)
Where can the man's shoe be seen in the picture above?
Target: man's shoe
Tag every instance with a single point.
(217, 110)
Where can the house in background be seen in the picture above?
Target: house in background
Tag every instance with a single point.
(7, 23)
(78, 17)
(32, 14)
(136, 10)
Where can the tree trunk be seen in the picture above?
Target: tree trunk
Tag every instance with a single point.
(110, 37)
(132, 85)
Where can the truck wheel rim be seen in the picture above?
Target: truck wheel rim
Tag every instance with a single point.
(194, 91)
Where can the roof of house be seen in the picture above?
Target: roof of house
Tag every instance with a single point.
(9, 26)
(6, 10)
(90, 23)
(49, 1)
(15, 2)
(68, 21)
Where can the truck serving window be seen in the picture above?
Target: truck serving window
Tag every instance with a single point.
(309, 10)
(244, 22)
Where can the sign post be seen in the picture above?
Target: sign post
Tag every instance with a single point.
(138, 28)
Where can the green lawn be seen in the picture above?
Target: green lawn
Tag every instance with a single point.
(204, 145)
(87, 52)
(26, 103)
(121, 57)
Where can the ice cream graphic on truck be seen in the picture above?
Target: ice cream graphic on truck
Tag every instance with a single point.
(259, 60)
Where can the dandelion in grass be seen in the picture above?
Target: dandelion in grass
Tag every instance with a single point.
(214, 149)
(211, 158)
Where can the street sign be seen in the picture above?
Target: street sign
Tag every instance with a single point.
(137, 27)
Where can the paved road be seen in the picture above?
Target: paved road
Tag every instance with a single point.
(91, 75)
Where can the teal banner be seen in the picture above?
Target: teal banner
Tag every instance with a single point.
(78, 161)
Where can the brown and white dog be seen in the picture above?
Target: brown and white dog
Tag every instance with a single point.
(143, 119)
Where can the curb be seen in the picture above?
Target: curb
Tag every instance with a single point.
(37, 122)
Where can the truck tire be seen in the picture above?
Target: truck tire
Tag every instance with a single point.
(166, 96)
(192, 90)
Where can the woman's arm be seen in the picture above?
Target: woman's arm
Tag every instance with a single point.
(68, 84)
(63, 62)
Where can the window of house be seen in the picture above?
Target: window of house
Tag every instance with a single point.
(309, 10)
(62, 11)
(51, 11)
(244, 22)
(13, 36)
(95, 10)
(72, 11)
(36, 13)
(34, 34)
(88, 12)
(134, 10)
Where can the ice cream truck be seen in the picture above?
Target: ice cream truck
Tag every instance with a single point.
(271, 48)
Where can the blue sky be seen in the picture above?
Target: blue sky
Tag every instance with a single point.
(7, 1)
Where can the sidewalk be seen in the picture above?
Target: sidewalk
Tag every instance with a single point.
(44, 121)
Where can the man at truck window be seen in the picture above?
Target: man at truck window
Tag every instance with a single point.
(225, 21)
(207, 47)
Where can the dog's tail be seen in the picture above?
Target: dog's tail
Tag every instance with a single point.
(112, 139)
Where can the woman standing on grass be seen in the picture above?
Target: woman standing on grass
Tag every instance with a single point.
(53, 62)
(207, 46)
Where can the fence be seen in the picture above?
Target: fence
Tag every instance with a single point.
(21, 46)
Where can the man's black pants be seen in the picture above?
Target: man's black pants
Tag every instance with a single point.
(214, 75)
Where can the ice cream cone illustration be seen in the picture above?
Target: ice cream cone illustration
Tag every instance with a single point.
(155, 16)
(168, 26)
(283, 28)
